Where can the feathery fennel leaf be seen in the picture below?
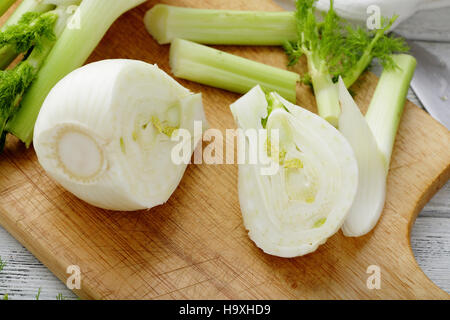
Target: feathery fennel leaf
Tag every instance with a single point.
(27, 36)
(13, 84)
(333, 48)
(29, 32)
(339, 48)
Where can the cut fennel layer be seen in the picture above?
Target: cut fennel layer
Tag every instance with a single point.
(292, 212)
(96, 133)
(370, 197)
(372, 139)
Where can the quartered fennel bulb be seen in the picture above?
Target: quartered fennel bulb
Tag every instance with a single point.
(293, 211)
(104, 133)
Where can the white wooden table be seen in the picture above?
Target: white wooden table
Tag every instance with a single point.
(24, 274)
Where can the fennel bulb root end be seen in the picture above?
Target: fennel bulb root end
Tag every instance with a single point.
(89, 159)
(156, 23)
(97, 133)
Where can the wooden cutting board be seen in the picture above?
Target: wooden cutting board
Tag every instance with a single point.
(195, 246)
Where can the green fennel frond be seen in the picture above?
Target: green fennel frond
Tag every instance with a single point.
(307, 28)
(38, 294)
(384, 48)
(2, 264)
(60, 297)
(323, 42)
(332, 43)
(293, 52)
(306, 79)
(31, 30)
(338, 48)
(324, 39)
(13, 84)
(376, 42)
(307, 32)
(27, 36)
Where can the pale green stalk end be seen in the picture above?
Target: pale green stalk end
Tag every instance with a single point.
(325, 90)
(69, 53)
(225, 27)
(327, 98)
(388, 102)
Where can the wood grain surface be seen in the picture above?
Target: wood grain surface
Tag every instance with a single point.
(195, 246)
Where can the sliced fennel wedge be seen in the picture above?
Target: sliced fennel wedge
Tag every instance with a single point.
(104, 133)
(369, 200)
(292, 212)
(372, 139)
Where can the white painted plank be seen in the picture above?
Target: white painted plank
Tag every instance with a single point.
(439, 207)
(429, 25)
(23, 274)
(431, 245)
(440, 49)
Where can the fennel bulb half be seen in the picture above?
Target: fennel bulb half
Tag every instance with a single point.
(292, 212)
(104, 133)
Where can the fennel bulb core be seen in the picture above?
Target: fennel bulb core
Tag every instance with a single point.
(104, 133)
(79, 155)
(296, 209)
